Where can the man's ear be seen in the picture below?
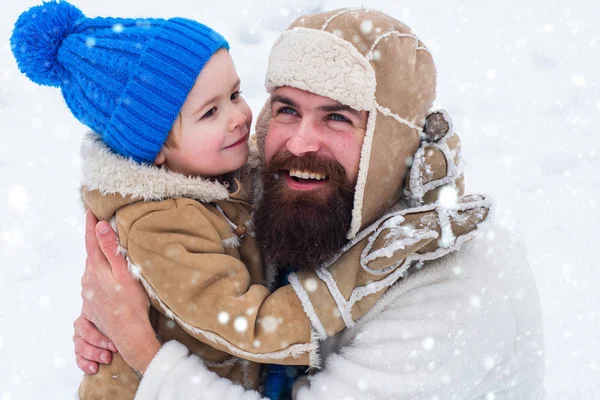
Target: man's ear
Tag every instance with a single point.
(160, 158)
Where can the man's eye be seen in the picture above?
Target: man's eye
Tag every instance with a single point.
(338, 117)
(286, 110)
(210, 113)
(235, 95)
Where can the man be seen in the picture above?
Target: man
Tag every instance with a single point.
(351, 88)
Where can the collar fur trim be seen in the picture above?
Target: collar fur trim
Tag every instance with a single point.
(109, 173)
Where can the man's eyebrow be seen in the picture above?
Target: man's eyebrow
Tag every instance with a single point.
(327, 108)
(339, 107)
(284, 100)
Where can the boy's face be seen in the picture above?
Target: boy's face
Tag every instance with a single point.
(211, 134)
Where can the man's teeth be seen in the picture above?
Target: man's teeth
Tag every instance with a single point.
(306, 175)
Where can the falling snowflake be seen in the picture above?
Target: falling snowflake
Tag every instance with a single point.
(578, 80)
(547, 28)
(18, 198)
(36, 123)
(508, 161)
(45, 302)
(240, 324)
(118, 28)
(489, 363)
(338, 33)
(448, 196)
(366, 26)
(311, 285)
(428, 343)
(58, 362)
(269, 323)
(223, 317)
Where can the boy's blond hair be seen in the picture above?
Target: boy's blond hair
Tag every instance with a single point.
(171, 142)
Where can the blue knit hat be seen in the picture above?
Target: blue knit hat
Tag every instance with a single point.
(126, 79)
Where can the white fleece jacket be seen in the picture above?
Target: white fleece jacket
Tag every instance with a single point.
(467, 326)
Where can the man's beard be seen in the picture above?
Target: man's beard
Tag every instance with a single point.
(301, 230)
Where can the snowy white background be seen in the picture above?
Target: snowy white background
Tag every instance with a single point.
(520, 78)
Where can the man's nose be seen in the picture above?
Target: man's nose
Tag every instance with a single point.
(236, 119)
(304, 140)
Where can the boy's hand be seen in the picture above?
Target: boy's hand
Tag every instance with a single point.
(91, 346)
(406, 234)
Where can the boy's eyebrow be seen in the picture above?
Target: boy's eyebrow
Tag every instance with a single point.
(236, 84)
(204, 105)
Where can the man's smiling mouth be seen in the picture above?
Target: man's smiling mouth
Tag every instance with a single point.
(297, 174)
(303, 180)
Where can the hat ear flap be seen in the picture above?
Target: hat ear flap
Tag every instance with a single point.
(436, 173)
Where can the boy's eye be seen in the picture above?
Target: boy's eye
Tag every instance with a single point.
(209, 113)
(338, 117)
(235, 95)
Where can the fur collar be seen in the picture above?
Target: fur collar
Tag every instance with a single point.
(110, 173)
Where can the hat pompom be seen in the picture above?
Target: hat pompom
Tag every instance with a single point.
(37, 37)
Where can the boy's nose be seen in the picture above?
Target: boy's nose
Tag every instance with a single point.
(237, 119)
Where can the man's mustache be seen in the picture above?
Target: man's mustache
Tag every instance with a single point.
(286, 161)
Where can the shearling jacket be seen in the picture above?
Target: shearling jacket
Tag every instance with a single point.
(189, 242)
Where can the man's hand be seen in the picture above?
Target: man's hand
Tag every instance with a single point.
(111, 296)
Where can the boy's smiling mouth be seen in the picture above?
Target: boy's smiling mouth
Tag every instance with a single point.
(238, 142)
